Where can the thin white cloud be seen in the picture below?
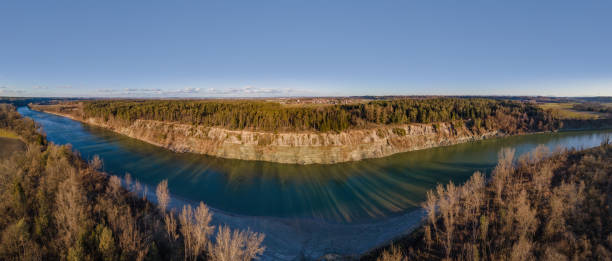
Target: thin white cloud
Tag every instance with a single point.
(249, 90)
(143, 90)
(41, 87)
(149, 91)
(5, 90)
(183, 91)
(107, 90)
(246, 91)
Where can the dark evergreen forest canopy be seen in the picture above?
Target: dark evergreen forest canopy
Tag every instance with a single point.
(272, 116)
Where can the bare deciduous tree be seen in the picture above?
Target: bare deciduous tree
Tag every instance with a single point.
(128, 181)
(163, 195)
(254, 247)
(187, 230)
(195, 227)
(521, 250)
(236, 245)
(502, 171)
(114, 185)
(137, 188)
(203, 227)
(132, 240)
(96, 163)
(430, 206)
(394, 254)
(71, 208)
(171, 224)
(525, 216)
(145, 191)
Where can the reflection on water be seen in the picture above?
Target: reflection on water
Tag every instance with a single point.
(345, 192)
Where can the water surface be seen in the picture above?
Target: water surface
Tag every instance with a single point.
(340, 193)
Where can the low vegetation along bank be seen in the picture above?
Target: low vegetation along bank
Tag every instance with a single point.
(545, 206)
(55, 206)
(542, 206)
(254, 130)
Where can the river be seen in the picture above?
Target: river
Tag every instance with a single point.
(305, 210)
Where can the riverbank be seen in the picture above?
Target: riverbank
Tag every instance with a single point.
(324, 205)
(292, 147)
(302, 147)
(563, 194)
(311, 239)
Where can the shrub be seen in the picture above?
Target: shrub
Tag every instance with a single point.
(537, 206)
(399, 132)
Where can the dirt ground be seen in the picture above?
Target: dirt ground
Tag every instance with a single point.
(8, 146)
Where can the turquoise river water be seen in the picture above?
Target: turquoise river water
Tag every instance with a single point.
(304, 209)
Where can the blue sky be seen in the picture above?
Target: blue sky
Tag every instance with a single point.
(305, 48)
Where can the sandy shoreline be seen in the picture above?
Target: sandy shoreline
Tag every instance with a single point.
(310, 239)
(296, 239)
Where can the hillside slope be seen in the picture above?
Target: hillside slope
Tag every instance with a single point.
(305, 146)
(543, 206)
(56, 206)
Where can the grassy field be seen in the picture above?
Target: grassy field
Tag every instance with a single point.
(565, 111)
(10, 146)
(8, 134)
(607, 104)
(10, 143)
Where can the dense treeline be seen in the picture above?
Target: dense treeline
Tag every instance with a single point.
(269, 116)
(25, 128)
(545, 206)
(592, 106)
(55, 206)
(24, 101)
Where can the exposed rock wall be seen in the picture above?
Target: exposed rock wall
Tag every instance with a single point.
(293, 147)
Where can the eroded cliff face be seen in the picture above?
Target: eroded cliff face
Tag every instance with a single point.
(293, 147)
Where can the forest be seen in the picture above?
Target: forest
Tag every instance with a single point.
(510, 116)
(56, 206)
(593, 107)
(542, 206)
